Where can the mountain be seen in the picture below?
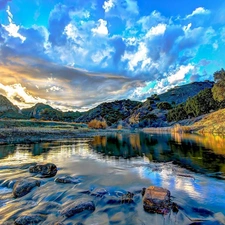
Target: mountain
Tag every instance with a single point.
(43, 111)
(8, 110)
(112, 112)
(180, 94)
(6, 105)
(154, 110)
(46, 112)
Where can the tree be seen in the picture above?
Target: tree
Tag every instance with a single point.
(218, 89)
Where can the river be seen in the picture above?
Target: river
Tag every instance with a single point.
(192, 167)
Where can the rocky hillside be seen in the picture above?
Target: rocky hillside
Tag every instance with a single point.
(112, 112)
(37, 110)
(8, 110)
(153, 111)
(180, 94)
(6, 105)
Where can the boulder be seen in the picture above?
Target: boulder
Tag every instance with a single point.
(77, 206)
(30, 219)
(44, 170)
(24, 186)
(156, 200)
(67, 179)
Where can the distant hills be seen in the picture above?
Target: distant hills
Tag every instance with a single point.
(151, 112)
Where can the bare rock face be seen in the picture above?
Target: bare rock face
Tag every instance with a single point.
(23, 187)
(45, 170)
(78, 206)
(30, 219)
(156, 200)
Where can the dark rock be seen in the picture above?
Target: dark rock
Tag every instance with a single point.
(127, 198)
(30, 219)
(46, 170)
(78, 206)
(67, 179)
(156, 200)
(22, 187)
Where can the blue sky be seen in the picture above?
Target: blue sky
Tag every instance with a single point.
(75, 54)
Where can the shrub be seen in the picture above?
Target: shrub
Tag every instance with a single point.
(97, 124)
(164, 105)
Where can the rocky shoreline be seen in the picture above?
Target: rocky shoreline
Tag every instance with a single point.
(81, 204)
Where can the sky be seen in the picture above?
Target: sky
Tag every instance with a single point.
(76, 54)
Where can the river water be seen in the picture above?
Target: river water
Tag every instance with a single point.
(192, 167)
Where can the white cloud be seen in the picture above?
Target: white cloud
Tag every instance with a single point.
(139, 57)
(180, 74)
(12, 28)
(198, 11)
(157, 30)
(101, 28)
(18, 90)
(108, 5)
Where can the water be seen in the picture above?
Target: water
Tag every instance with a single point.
(192, 167)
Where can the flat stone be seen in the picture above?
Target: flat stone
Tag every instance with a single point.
(78, 206)
(23, 187)
(156, 200)
(44, 170)
(30, 219)
(67, 179)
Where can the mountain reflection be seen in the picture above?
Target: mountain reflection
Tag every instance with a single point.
(195, 152)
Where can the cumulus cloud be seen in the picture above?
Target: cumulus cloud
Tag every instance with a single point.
(129, 54)
(108, 5)
(12, 28)
(101, 28)
(199, 11)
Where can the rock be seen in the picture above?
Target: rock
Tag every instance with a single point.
(45, 170)
(156, 200)
(30, 219)
(99, 192)
(127, 198)
(78, 206)
(67, 179)
(22, 187)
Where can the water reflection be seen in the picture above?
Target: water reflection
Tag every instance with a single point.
(199, 153)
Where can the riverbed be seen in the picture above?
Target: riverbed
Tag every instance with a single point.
(108, 166)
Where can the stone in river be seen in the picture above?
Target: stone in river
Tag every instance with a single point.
(67, 179)
(156, 200)
(78, 206)
(44, 170)
(30, 219)
(24, 186)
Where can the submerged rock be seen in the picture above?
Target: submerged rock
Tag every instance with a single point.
(156, 200)
(67, 179)
(78, 206)
(127, 198)
(44, 170)
(30, 219)
(99, 192)
(23, 187)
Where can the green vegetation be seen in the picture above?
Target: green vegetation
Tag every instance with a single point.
(164, 105)
(218, 89)
(177, 113)
(200, 104)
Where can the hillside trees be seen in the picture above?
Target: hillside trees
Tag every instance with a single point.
(218, 89)
(200, 104)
